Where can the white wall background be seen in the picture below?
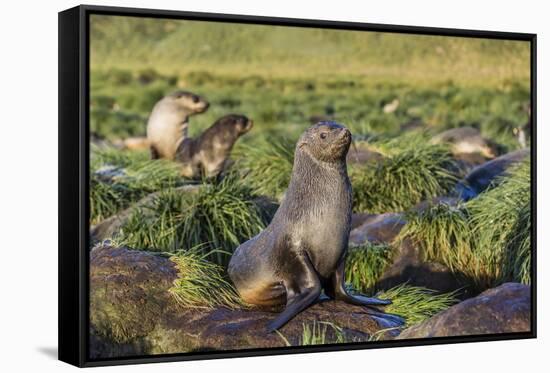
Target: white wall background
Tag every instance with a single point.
(28, 185)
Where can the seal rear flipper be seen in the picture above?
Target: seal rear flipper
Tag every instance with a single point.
(386, 320)
(304, 290)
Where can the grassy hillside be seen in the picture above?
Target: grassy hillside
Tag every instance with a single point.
(178, 47)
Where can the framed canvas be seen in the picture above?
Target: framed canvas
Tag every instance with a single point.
(235, 186)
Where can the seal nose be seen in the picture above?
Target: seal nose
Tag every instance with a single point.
(344, 132)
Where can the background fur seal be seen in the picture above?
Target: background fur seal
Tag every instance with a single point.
(302, 251)
(168, 122)
(207, 154)
(467, 140)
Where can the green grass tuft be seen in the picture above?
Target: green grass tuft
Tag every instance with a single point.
(119, 178)
(404, 179)
(443, 233)
(416, 304)
(488, 239)
(267, 165)
(219, 215)
(365, 265)
(501, 226)
(318, 333)
(201, 283)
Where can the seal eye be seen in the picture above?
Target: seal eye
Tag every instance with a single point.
(323, 135)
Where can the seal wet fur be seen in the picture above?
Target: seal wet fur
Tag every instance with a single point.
(302, 251)
(169, 121)
(207, 154)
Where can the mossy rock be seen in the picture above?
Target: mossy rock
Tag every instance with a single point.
(132, 312)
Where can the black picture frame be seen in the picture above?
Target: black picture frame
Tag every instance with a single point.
(73, 165)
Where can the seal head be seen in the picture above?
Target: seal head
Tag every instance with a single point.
(169, 121)
(325, 141)
(207, 155)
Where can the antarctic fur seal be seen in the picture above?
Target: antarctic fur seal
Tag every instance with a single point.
(207, 154)
(466, 140)
(302, 251)
(169, 120)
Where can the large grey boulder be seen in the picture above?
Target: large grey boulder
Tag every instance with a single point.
(408, 266)
(376, 228)
(504, 309)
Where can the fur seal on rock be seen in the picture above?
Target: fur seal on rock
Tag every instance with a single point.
(169, 120)
(302, 251)
(207, 154)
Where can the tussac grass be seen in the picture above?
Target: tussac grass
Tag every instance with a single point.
(443, 231)
(403, 179)
(412, 171)
(285, 106)
(201, 283)
(218, 215)
(119, 178)
(267, 165)
(416, 304)
(487, 239)
(365, 265)
(501, 220)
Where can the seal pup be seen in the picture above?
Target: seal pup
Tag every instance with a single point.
(169, 120)
(466, 140)
(207, 154)
(302, 251)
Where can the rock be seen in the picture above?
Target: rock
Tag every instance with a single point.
(385, 227)
(128, 292)
(504, 309)
(110, 226)
(361, 155)
(132, 313)
(376, 228)
(408, 266)
(358, 219)
(482, 176)
(466, 140)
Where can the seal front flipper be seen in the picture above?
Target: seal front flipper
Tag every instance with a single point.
(336, 290)
(302, 290)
